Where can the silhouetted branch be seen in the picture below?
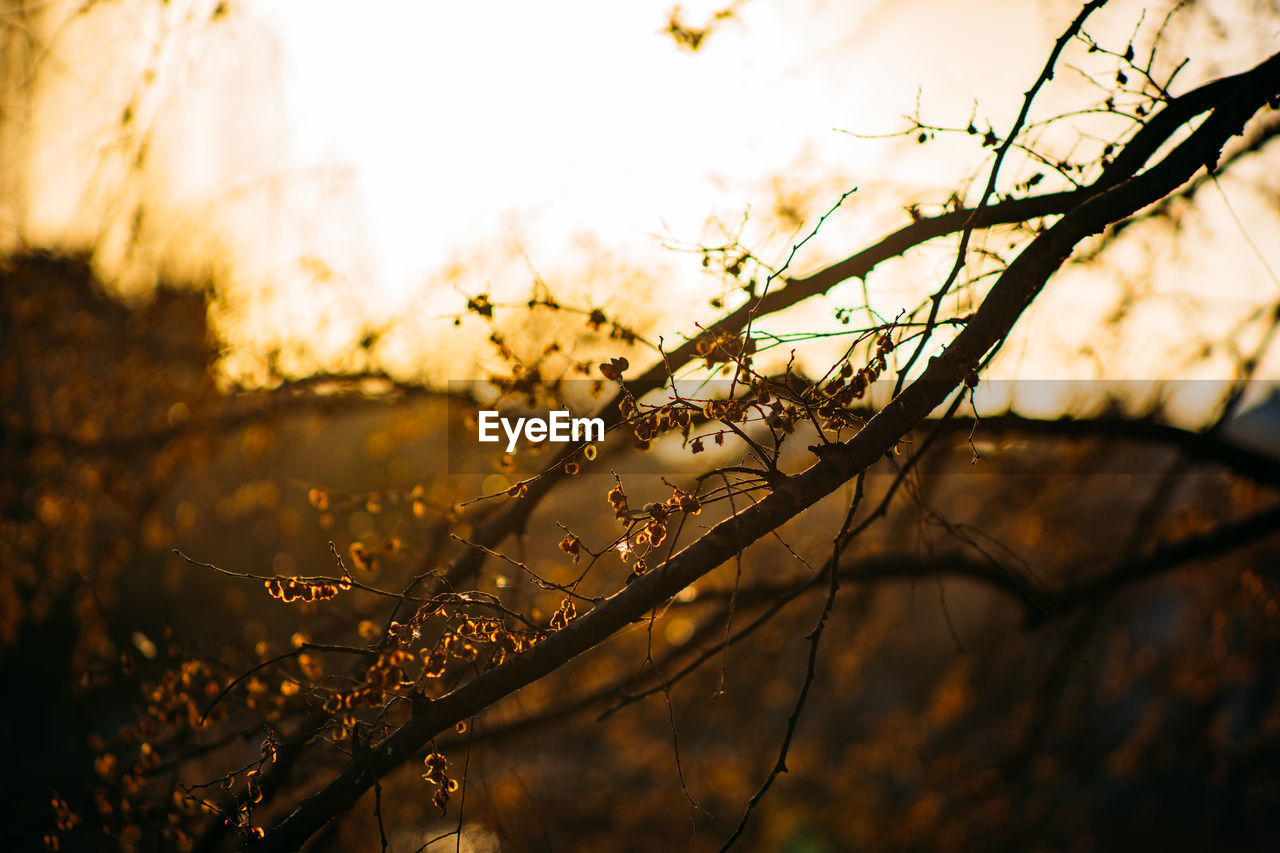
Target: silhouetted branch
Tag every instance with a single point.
(1015, 289)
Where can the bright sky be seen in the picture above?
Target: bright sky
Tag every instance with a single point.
(340, 166)
(576, 116)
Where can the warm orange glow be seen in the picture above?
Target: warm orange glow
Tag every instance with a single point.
(341, 175)
(545, 396)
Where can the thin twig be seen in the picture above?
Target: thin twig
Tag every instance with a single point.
(814, 638)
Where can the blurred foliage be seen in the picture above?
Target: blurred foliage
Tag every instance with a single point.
(940, 718)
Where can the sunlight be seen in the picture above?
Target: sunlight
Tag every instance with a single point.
(541, 124)
(340, 170)
(350, 177)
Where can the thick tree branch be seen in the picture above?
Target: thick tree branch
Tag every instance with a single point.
(1008, 298)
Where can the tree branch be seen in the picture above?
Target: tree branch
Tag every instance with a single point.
(1021, 282)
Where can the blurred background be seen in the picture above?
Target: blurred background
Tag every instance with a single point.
(238, 242)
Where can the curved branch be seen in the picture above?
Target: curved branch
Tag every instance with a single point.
(1021, 282)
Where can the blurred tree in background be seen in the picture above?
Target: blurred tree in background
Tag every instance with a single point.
(819, 589)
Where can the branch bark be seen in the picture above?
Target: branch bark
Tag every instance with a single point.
(1232, 105)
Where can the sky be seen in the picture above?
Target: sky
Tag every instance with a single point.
(337, 173)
